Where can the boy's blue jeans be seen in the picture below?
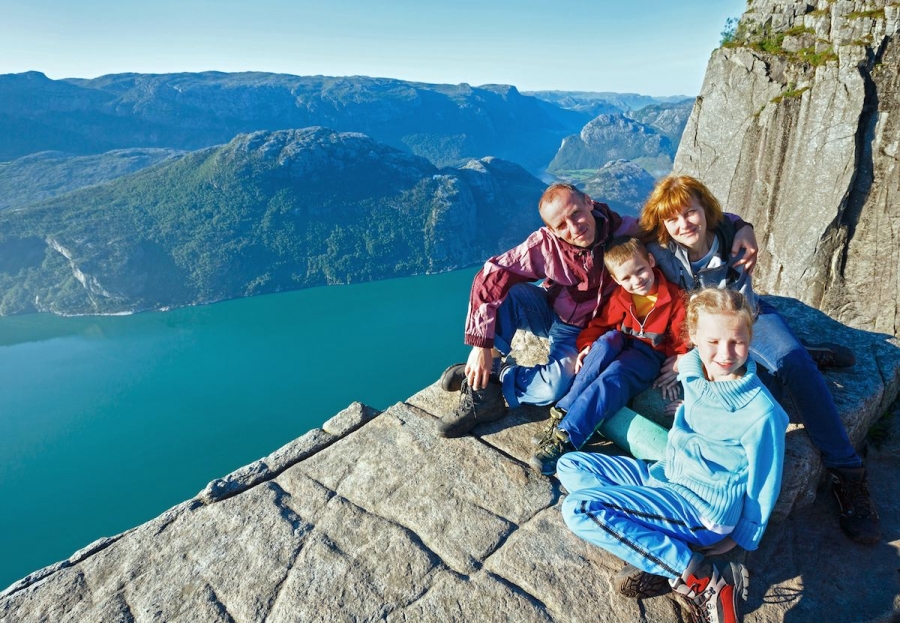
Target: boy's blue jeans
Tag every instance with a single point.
(614, 504)
(528, 307)
(790, 373)
(615, 370)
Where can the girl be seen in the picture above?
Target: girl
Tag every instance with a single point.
(719, 481)
(693, 240)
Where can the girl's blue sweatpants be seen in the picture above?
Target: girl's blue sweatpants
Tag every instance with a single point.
(614, 504)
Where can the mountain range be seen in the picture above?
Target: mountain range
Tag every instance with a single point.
(134, 191)
(444, 123)
(266, 212)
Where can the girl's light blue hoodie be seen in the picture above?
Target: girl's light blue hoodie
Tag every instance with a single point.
(725, 450)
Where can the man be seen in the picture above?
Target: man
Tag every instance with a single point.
(567, 254)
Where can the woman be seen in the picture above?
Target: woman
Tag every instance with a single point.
(691, 244)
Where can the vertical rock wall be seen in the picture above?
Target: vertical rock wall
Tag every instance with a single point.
(796, 128)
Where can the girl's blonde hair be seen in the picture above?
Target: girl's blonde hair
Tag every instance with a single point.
(718, 301)
(669, 197)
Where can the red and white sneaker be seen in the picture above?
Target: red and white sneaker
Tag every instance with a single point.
(714, 592)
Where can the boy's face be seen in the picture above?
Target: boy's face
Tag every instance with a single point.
(636, 275)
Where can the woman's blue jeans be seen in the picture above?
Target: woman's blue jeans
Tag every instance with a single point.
(793, 378)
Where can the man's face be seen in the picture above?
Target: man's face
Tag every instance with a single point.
(570, 219)
(636, 275)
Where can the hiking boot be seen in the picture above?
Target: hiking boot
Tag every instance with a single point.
(548, 453)
(831, 355)
(452, 377)
(556, 416)
(475, 407)
(636, 584)
(713, 592)
(859, 519)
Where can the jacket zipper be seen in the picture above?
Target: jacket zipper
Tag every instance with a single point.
(646, 318)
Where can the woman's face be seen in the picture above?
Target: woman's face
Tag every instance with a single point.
(723, 341)
(689, 227)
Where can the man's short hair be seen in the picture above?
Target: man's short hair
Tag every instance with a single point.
(622, 249)
(554, 191)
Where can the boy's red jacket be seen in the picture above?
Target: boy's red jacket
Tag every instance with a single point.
(662, 328)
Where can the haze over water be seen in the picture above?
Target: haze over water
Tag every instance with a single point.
(105, 422)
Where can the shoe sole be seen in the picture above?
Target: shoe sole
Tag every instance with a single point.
(641, 585)
(741, 580)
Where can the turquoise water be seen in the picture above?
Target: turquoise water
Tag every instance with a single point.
(105, 422)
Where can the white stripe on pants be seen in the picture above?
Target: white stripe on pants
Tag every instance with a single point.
(611, 505)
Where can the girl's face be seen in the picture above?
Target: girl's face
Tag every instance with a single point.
(689, 228)
(723, 341)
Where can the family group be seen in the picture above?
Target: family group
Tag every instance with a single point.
(665, 301)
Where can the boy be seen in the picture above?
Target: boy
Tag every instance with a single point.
(620, 351)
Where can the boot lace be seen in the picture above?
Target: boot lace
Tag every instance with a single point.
(548, 433)
(466, 399)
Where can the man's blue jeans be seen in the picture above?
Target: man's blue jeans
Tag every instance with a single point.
(528, 307)
(792, 377)
(615, 370)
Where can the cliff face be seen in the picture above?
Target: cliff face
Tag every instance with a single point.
(796, 129)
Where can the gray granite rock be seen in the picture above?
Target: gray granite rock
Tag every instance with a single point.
(398, 468)
(270, 466)
(349, 419)
(378, 519)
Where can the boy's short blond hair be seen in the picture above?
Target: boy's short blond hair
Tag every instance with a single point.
(621, 249)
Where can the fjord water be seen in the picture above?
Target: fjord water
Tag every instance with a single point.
(105, 422)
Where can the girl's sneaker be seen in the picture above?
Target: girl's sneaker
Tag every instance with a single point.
(713, 592)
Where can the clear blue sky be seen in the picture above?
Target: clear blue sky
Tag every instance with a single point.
(655, 47)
